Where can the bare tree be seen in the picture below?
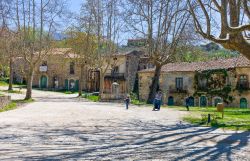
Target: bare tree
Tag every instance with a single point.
(225, 22)
(7, 36)
(162, 23)
(105, 23)
(84, 46)
(36, 21)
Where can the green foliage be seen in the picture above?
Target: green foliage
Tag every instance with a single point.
(11, 106)
(207, 52)
(3, 83)
(135, 101)
(210, 90)
(91, 97)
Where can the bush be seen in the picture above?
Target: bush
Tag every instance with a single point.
(91, 96)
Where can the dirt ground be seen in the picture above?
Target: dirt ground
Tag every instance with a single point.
(62, 127)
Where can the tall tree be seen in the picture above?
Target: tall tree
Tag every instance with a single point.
(84, 46)
(162, 23)
(8, 37)
(225, 22)
(105, 15)
(36, 21)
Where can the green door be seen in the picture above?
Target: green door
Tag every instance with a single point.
(203, 101)
(66, 84)
(170, 101)
(243, 103)
(216, 101)
(191, 101)
(77, 85)
(43, 82)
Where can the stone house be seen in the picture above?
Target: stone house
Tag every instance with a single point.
(59, 71)
(56, 71)
(205, 83)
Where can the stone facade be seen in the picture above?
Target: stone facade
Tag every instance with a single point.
(181, 80)
(53, 72)
(59, 71)
(4, 101)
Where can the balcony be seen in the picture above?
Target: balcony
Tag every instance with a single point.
(178, 90)
(120, 76)
(243, 86)
(43, 68)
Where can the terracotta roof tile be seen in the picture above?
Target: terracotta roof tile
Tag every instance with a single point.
(240, 61)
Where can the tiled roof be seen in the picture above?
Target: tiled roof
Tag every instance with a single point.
(240, 61)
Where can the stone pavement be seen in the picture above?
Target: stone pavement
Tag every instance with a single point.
(63, 127)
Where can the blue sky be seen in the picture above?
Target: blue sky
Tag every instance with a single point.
(75, 5)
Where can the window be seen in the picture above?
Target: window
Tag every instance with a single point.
(115, 70)
(243, 80)
(72, 68)
(44, 63)
(179, 83)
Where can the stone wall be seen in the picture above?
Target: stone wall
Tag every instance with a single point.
(132, 64)
(4, 101)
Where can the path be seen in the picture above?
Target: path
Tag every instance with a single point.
(62, 127)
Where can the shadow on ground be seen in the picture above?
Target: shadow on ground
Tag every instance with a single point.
(112, 140)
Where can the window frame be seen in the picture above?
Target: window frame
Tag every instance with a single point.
(179, 84)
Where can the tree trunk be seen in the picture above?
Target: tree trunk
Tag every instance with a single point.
(29, 85)
(155, 84)
(81, 81)
(101, 86)
(11, 74)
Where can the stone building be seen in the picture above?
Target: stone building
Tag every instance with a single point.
(205, 83)
(59, 71)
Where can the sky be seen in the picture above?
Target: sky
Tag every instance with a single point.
(75, 5)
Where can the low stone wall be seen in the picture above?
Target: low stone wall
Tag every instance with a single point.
(4, 101)
(106, 97)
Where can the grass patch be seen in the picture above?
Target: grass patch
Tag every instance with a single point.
(11, 106)
(91, 97)
(14, 104)
(69, 92)
(12, 91)
(3, 83)
(24, 101)
(137, 102)
(234, 118)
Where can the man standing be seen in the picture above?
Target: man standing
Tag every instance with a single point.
(187, 103)
(157, 101)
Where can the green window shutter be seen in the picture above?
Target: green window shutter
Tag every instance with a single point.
(77, 85)
(66, 84)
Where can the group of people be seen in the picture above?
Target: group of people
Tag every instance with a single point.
(157, 102)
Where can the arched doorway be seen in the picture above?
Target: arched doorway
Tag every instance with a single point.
(217, 100)
(191, 101)
(203, 101)
(243, 103)
(43, 82)
(170, 101)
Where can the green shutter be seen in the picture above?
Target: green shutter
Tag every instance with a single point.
(77, 85)
(66, 84)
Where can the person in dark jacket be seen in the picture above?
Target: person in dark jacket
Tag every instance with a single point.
(187, 103)
(157, 101)
(127, 101)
